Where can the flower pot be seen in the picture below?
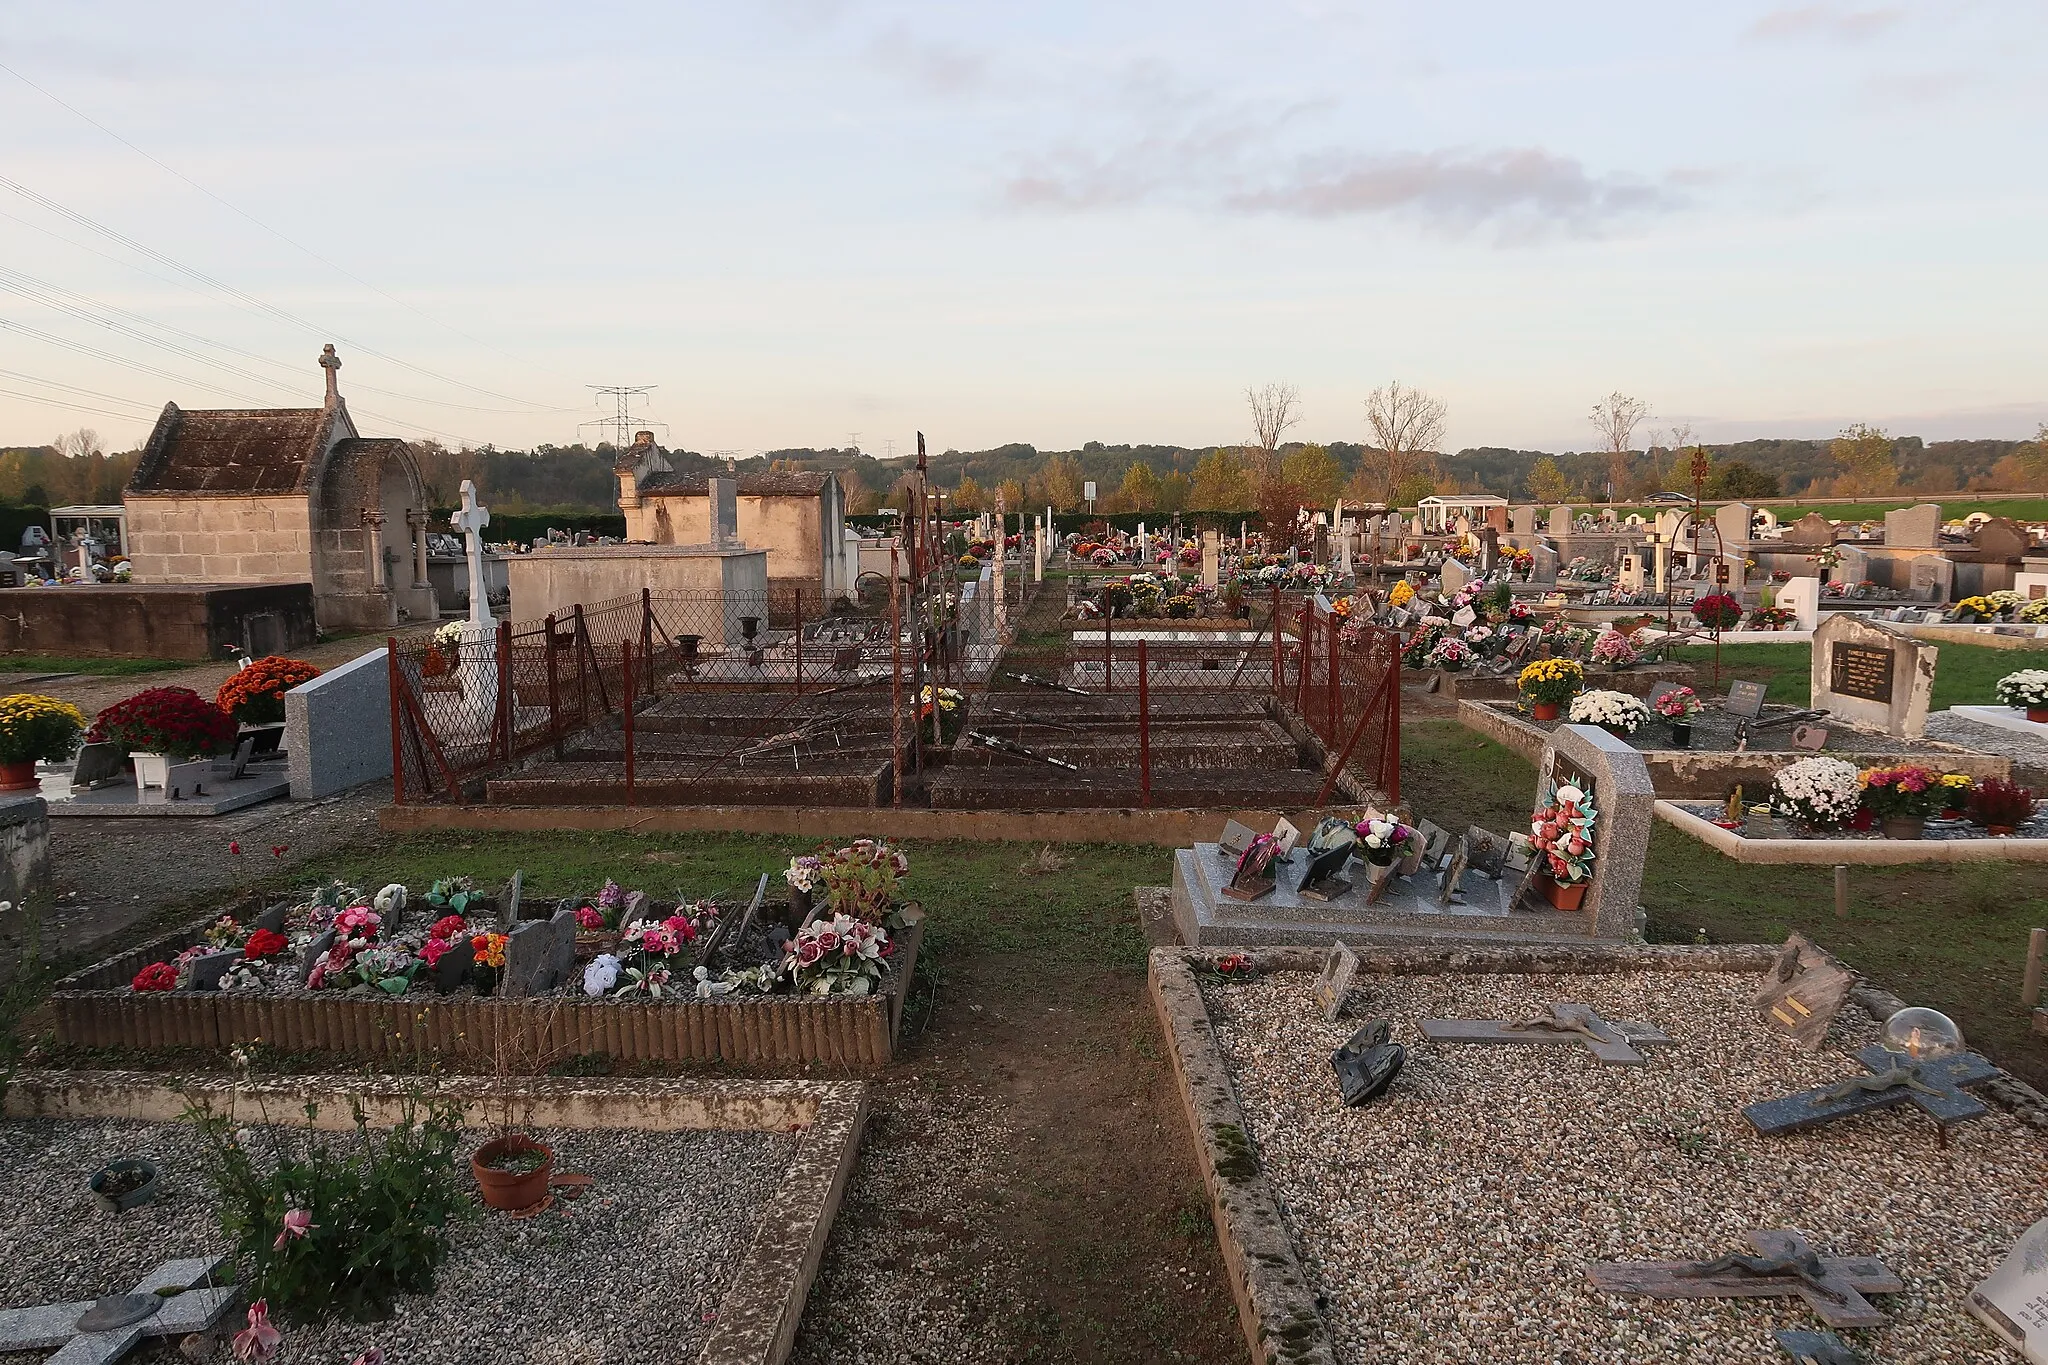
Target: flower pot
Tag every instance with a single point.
(510, 1189)
(1861, 821)
(1999, 831)
(1564, 895)
(18, 777)
(1617, 732)
(151, 770)
(1904, 826)
(1545, 710)
(1681, 734)
(2038, 714)
(115, 1171)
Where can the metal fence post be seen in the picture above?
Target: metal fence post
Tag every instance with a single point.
(554, 691)
(1336, 673)
(626, 657)
(1305, 667)
(1144, 727)
(1108, 649)
(397, 734)
(505, 694)
(1390, 752)
(895, 679)
(1279, 655)
(647, 628)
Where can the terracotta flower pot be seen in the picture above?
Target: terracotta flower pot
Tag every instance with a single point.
(1904, 826)
(512, 1189)
(1617, 732)
(1545, 710)
(1564, 895)
(18, 777)
(2038, 714)
(1998, 831)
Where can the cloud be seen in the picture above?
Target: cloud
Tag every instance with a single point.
(926, 65)
(1524, 187)
(1794, 23)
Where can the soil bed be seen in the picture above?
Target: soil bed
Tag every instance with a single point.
(1454, 1219)
(581, 1274)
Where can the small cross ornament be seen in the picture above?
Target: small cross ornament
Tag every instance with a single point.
(1833, 1286)
(1564, 1021)
(168, 1302)
(1894, 1079)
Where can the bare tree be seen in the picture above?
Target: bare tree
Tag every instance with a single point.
(1616, 417)
(72, 444)
(1407, 426)
(1275, 407)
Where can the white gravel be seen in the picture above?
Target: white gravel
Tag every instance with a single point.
(1453, 1220)
(2022, 749)
(633, 1271)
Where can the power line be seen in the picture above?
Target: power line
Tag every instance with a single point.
(241, 213)
(73, 388)
(60, 403)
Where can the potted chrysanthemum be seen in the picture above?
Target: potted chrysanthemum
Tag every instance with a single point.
(1818, 794)
(34, 727)
(1618, 713)
(159, 724)
(1548, 684)
(1901, 798)
(2026, 690)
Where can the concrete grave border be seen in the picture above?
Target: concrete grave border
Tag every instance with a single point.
(1866, 852)
(1276, 1307)
(758, 1317)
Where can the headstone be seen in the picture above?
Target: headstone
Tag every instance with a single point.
(338, 728)
(1732, 522)
(1851, 567)
(309, 956)
(1913, 528)
(1619, 783)
(1489, 548)
(1630, 578)
(725, 511)
(1544, 570)
(1497, 518)
(1802, 992)
(1801, 597)
(2001, 540)
(1833, 1286)
(508, 913)
(1340, 969)
(1812, 531)
(1560, 522)
(1745, 699)
(538, 955)
(1522, 521)
(1564, 1021)
(1931, 578)
(99, 763)
(1871, 676)
(2013, 1299)
(1936, 1086)
(206, 970)
(1454, 577)
(1212, 558)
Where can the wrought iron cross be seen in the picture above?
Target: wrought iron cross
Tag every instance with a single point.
(1833, 1286)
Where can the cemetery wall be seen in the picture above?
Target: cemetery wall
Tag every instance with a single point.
(557, 579)
(220, 540)
(159, 621)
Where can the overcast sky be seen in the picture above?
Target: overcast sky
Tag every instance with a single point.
(1051, 222)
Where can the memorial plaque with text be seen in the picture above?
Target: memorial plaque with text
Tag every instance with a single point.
(1861, 671)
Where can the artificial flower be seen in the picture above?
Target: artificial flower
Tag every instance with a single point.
(259, 1340)
(297, 1223)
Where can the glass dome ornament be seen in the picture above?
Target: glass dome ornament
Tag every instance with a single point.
(1922, 1034)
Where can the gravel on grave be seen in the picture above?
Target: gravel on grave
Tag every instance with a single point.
(632, 1271)
(1713, 731)
(1937, 827)
(2025, 750)
(1453, 1219)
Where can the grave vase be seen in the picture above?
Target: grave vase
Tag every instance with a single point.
(18, 777)
(1564, 895)
(2038, 714)
(151, 770)
(1681, 734)
(1904, 826)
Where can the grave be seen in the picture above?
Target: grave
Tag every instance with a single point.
(338, 728)
(1872, 677)
(1801, 597)
(1913, 528)
(1422, 902)
(1931, 578)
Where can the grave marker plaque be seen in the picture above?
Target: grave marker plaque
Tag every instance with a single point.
(2013, 1299)
(1802, 992)
(1235, 839)
(1861, 671)
(1745, 699)
(1340, 969)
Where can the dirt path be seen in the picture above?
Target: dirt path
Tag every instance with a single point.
(1027, 1191)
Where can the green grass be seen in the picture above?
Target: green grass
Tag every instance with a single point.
(1954, 938)
(975, 896)
(105, 668)
(1964, 675)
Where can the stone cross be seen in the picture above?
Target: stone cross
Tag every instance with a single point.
(331, 363)
(1894, 1079)
(471, 520)
(1833, 1286)
(1562, 1022)
(167, 1302)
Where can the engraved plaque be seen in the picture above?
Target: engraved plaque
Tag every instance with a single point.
(1861, 671)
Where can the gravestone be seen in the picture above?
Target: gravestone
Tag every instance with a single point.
(1454, 577)
(725, 511)
(1497, 518)
(1619, 782)
(539, 954)
(1522, 521)
(1340, 969)
(1801, 597)
(1931, 578)
(1853, 568)
(1871, 676)
(1560, 522)
(338, 728)
(2013, 1299)
(1913, 528)
(309, 956)
(2001, 540)
(1812, 531)
(205, 971)
(1212, 559)
(1802, 992)
(1732, 522)
(1489, 548)
(1630, 577)
(1544, 570)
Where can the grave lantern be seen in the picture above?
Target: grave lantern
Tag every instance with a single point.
(1922, 1034)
